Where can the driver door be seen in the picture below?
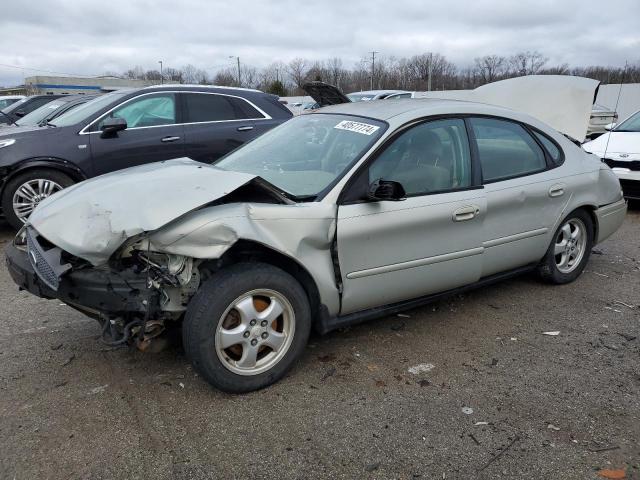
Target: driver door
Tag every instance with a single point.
(431, 241)
(153, 134)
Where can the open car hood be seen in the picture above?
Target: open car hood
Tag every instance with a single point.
(93, 218)
(325, 94)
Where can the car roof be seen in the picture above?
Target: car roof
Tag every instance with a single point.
(377, 92)
(405, 110)
(387, 110)
(187, 87)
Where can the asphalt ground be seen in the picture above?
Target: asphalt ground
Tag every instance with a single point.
(491, 396)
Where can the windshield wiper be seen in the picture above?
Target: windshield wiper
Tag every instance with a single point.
(299, 198)
(11, 121)
(49, 124)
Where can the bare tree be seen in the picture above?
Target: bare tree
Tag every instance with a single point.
(490, 67)
(226, 78)
(527, 63)
(297, 70)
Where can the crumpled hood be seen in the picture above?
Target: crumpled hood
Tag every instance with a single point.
(93, 218)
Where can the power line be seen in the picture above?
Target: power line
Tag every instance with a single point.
(18, 67)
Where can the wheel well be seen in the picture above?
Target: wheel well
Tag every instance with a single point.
(591, 210)
(75, 175)
(247, 250)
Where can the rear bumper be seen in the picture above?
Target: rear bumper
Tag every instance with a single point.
(90, 290)
(610, 218)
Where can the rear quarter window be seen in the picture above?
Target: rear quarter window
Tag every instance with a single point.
(552, 149)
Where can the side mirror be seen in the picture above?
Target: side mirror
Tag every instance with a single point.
(610, 126)
(111, 126)
(20, 113)
(386, 190)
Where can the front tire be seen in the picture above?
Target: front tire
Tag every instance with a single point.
(246, 327)
(570, 249)
(23, 193)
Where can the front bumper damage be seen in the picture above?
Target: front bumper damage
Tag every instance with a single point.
(96, 292)
(129, 303)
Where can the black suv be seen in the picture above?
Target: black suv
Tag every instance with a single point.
(126, 128)
(27, 105)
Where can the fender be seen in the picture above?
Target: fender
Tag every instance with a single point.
(76, 173)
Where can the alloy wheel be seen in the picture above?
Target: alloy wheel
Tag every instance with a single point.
(30, 194)
(570, 245)
(255, 332)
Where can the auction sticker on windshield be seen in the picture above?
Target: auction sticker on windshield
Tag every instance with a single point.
(357, 127)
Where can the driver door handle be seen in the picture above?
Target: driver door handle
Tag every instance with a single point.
(467, 212)
(245, 128)
(169, 139)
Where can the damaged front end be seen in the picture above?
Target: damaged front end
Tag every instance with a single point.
(135, 296)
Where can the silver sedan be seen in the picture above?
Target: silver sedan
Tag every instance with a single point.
(354, 212)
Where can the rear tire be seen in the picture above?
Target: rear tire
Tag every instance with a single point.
(28, 189)
(246, 327)
(570, 249)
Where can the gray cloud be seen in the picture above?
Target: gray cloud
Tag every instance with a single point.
(93, 37)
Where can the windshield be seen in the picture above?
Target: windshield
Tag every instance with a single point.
(631, 124)
(39, 114)
(12, 106)
(305, 155)
(5, 102)
(76, 115)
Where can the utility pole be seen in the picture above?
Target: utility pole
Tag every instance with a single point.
(239, 78)
(430, 70)
(373, 66)
(161, 78)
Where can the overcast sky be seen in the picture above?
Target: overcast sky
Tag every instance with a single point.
(92, 37)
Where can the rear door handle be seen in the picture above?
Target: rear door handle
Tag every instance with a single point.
(169, 139)
(556, 190)
(245, 128)
(465, 213)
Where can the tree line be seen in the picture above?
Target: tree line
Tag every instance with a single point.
(427, 71)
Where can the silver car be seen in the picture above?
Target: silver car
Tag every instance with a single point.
(354, 212)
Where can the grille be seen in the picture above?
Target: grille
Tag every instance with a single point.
(632, 165)
(39, 262)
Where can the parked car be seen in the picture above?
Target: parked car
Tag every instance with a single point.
(601, 116)
(353, 212)
(620, 149)
(47, 112)
(126, 128)
(7, 100)
(378, 95)
(22, 107)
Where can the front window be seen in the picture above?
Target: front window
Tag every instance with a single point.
(86, 110)
(430, 157)
(307, 154)
(145, 111)
(631, 124)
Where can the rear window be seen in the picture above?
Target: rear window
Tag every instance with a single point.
(506, 149)
(209, 107)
